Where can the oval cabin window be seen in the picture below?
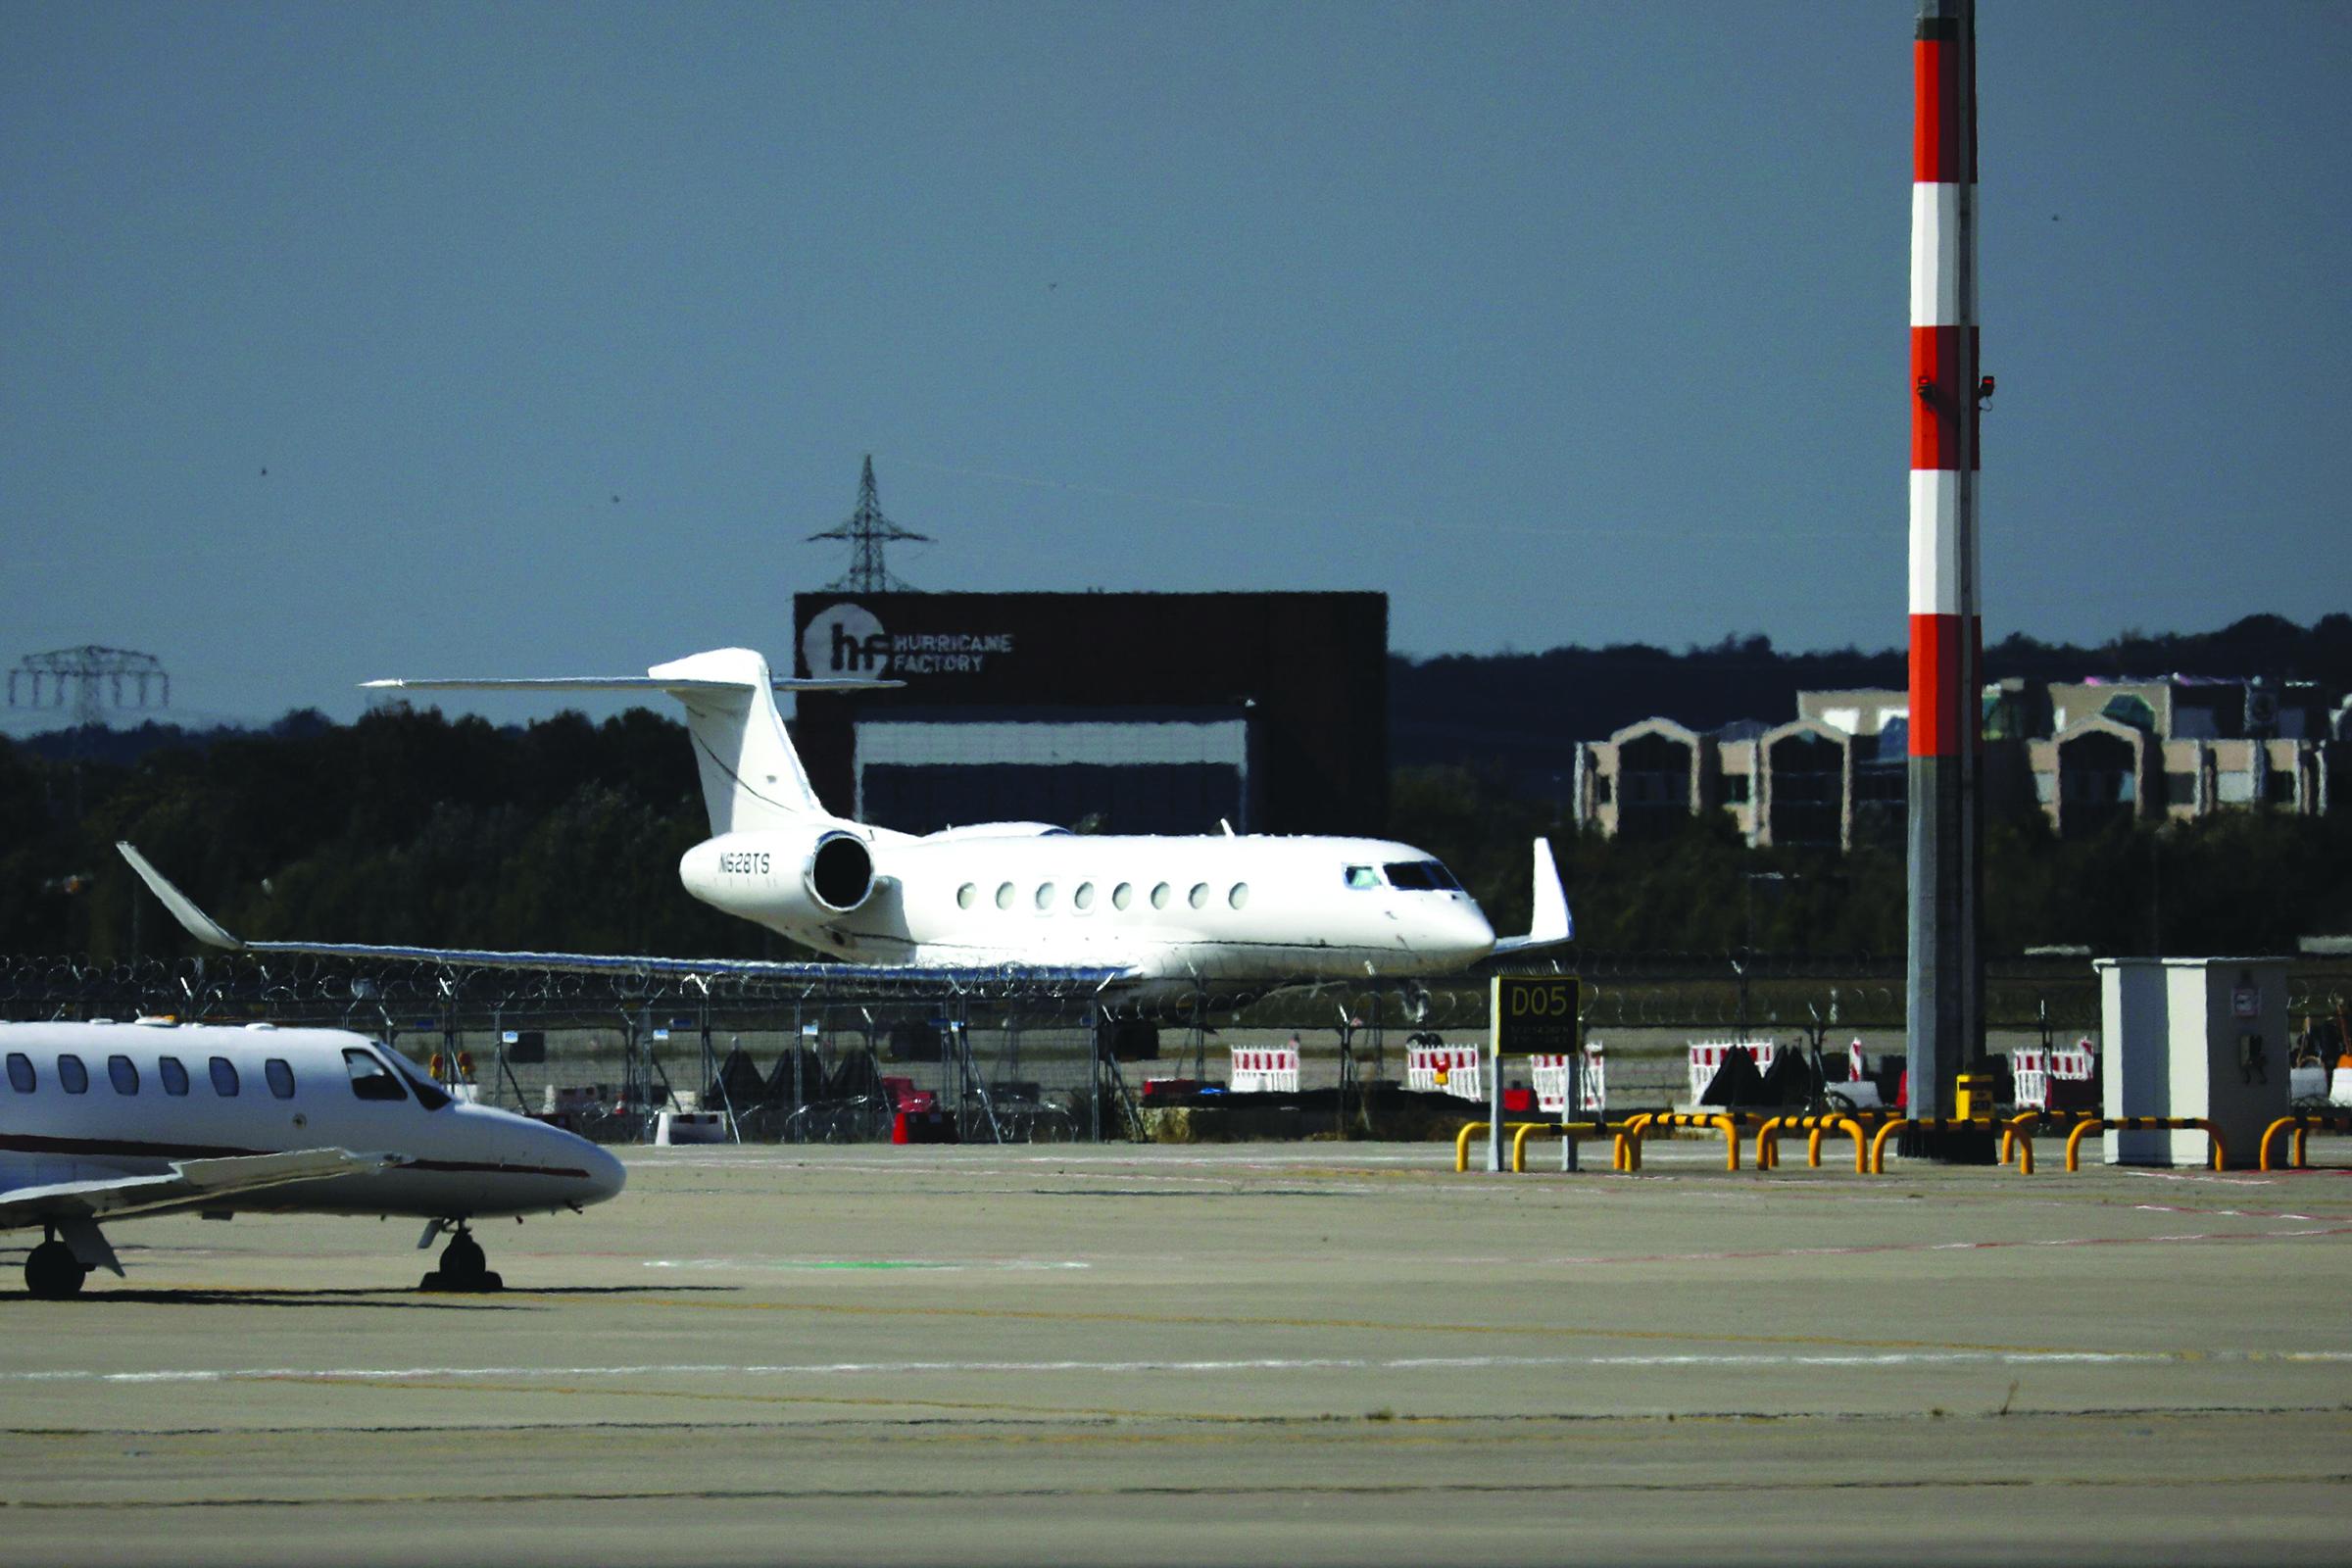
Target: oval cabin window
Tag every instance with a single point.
(1123, 896)
(1159, 897)
(1240, 895)
(1084, 898)
(1199, 896)
(966, 896)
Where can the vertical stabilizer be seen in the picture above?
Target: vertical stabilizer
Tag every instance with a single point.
(752, 778)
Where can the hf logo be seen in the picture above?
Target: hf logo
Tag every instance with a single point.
(844, 640)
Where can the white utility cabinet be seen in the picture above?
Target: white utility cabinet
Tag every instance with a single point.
(2193, 1037)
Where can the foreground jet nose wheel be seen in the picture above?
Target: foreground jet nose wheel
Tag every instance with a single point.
(52, 1272)
(463, 1267)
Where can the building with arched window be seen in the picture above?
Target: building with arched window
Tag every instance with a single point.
(2090, 754)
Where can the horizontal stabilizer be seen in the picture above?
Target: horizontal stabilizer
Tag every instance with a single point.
(621, 683)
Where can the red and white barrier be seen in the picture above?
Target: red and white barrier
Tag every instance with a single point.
(1459, 1063)
(2034, 1069)
(1550, 1074)
(1706, 1059)
(1259, 1072)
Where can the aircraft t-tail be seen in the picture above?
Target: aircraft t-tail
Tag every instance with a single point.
(1142, 918)
(107, 1121)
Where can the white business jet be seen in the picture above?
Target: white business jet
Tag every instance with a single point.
(1143, 918)
(106, 1121)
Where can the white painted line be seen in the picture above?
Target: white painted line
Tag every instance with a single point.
(698, 1369)
(862, 1265)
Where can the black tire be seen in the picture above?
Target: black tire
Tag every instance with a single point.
(462, 1259)
(52, 1272)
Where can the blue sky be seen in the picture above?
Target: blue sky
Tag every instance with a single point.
(1558, 323)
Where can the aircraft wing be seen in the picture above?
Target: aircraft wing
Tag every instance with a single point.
(1551, 925)
(190, 1184)
(204, 928)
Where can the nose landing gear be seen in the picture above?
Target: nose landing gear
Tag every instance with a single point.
(463, 1267)
(51, 1270)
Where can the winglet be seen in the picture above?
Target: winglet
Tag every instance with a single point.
(1552, 924)
(200, 926)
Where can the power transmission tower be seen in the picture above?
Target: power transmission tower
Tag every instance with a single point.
(48, 675)
(868, 530)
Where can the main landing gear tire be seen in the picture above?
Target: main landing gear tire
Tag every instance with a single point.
(463, 1267)
(52, 1272)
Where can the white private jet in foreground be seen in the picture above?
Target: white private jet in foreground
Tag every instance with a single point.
(1144, 918)
(104, 1121)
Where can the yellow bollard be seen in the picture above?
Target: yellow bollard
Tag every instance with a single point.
(1847, 1124)
(1878, 1145)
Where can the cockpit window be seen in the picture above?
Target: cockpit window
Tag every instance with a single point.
(370, 1079)
(1422, 876)
(429, 1094)
(1362, 876)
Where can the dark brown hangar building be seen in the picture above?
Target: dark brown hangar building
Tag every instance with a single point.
(1113, 713)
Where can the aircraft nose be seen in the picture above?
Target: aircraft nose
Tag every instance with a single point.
(1469, 932)
(606, 1175)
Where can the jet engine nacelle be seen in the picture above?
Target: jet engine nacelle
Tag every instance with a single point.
(797, 877)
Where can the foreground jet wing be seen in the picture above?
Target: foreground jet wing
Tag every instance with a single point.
(204, 928)
(188, 1184)
(1550, 926)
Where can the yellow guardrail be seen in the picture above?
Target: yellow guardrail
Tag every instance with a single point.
(1523, 1131)
(1769, 1135)
(1872, 1130)
(1726, 1123)
(1939, 1124)
(2302, 1124)
(2143, 1124)
(1470, 1130)
(2018, 1134)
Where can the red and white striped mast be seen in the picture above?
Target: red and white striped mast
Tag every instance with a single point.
(1945, 1027)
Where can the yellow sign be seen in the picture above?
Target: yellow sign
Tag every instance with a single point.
(1535, 1013)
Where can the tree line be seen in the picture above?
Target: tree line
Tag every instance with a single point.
(1523, 714)
(409, 827)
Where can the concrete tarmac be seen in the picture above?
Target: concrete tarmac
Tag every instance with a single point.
(1293, 1355)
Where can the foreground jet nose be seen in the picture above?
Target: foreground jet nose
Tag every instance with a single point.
(606, 1175)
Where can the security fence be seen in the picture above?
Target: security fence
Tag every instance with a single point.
(860, 1055)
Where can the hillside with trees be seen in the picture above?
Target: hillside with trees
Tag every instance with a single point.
(410, 827)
